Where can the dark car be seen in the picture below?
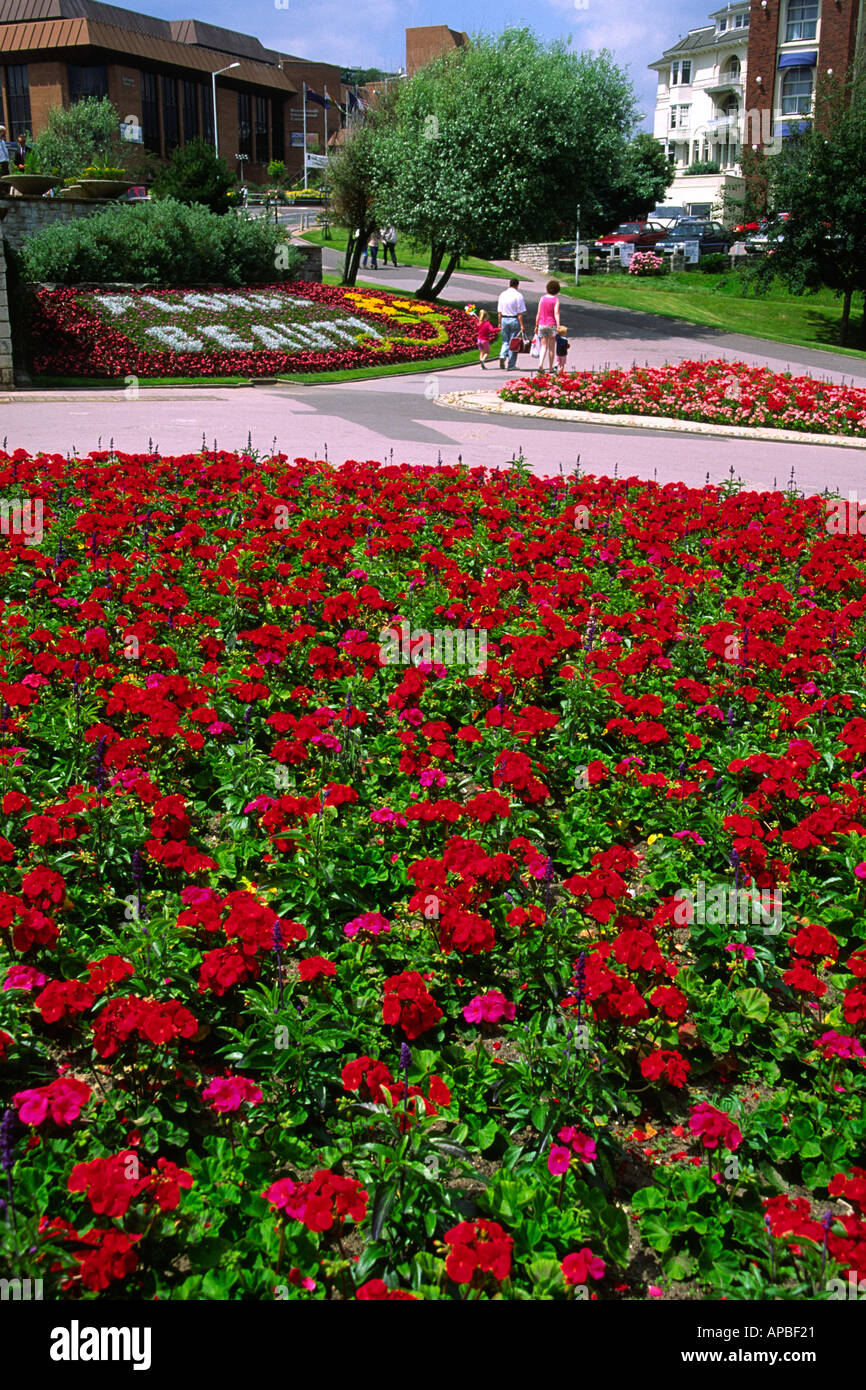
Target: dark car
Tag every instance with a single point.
(643, 236)
(712, 236)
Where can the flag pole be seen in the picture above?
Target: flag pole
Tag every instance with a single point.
(305, 134)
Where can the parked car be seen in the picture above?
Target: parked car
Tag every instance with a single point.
(667, 216)
(713, 237)
(769, 230)
(643, 236)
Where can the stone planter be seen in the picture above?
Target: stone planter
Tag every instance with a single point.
(29, 185)
(103, 188)
(73, 191)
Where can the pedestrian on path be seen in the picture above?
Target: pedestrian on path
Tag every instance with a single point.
(486, 333)
(561, 347)
(389, 242)
(510, 310)
(363, 247)
(547, 324)
(373, 247)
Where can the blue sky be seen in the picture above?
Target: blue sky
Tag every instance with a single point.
(370, 33)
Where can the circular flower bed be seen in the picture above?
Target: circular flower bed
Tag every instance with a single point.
(714, 392)
(265, 331)
(334, 964)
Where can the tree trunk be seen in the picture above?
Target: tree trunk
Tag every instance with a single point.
(846, 315)
(437, 253)
(353, 260)
(446, 276)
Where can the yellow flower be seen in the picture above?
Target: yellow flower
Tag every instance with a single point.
(651, 839)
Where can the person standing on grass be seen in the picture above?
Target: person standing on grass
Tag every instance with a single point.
(389, 242)
(510, 310)
(547, 324)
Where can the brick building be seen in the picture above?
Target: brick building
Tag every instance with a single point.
(425, 44)
(792, 43)
(159, 72)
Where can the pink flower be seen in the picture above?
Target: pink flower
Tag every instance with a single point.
(558, 1160)
(860, 870)
(839, 1045)
(748, 952)
(582, 1265)
(63, 1100)
(371, 923)
(688, 835)
(654, 1291)
(582, 1145)
(489, 1008)
(23, 977)
(226, 1093)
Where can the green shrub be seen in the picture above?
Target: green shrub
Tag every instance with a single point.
(704, 166)
(163, 243)
(196, 174)
(712, 264)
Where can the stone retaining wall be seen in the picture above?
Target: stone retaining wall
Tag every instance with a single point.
(543, 255)
(25, 217)
(6, 377)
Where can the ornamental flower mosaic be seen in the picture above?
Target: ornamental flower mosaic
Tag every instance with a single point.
(264, 331)
(325, 976)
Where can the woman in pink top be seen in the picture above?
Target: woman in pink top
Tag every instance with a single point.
(547, 324)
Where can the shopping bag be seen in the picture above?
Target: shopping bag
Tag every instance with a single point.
(535, 347)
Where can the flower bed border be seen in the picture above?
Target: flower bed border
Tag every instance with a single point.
(490, 403)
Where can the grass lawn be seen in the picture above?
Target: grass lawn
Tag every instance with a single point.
(722, 301)
(406, 255)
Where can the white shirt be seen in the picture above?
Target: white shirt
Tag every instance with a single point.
(511, 304)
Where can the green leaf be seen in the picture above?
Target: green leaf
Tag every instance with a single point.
(754, 1004)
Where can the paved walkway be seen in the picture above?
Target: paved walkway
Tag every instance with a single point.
(397, 418)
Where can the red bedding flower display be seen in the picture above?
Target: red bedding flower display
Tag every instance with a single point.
(710, 392)
(340, 965)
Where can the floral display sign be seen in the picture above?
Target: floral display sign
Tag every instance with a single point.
(710, 392)
(257, 331)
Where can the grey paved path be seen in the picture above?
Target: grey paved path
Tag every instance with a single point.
(397, 417)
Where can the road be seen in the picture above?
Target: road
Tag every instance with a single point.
(397, 418)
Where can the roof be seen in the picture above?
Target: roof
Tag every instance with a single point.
(698, 39)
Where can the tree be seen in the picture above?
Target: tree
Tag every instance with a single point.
(196, 174)
(498, 142)
(819, 177)
(640, 186)
(356, 176)
(86, 133)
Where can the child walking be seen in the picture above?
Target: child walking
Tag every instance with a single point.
(561, 347)
(486, 333)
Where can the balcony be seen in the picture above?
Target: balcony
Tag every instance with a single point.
(725, 86)
(722, 126)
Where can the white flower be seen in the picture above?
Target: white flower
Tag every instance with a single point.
(170, 336)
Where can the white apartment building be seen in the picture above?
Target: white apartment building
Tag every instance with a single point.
(699, 113)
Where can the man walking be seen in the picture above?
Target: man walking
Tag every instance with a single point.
(389, 242)
(510, 308)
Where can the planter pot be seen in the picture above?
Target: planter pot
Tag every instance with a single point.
(104, 188)
(29, 185)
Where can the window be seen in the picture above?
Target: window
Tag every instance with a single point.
(675, 74)
(207, 132)
(245, 144)
(741, 21)
(170, 122)
(686, 74)
(261, 111)
(150, 111)
(797, 92)
(673, 118)
(732, 68)
(802, 20)
(18, 87)
(86, 82)
(723, 24)
(685, 112)
(278, 129)
(189, 106)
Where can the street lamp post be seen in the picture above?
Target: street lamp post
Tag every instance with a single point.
(213, 78)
